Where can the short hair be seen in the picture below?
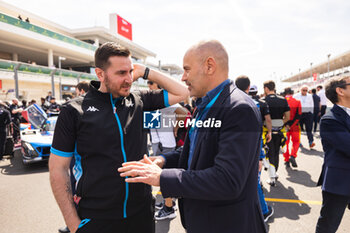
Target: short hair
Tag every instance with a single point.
(331, 88)
(319, 86)
(313, 90)
(107, 50)
(288, 91)
(242, 82)
(83, 86)
(270, 85)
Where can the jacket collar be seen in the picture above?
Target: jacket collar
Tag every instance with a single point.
(342, 114)
(347, 110)
(227, 90)
(94, 89)
(202, 102)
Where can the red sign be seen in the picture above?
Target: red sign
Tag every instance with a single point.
(124, 28)
(314, 75)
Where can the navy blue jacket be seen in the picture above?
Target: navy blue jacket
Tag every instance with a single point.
(218, 193)
(335, 135)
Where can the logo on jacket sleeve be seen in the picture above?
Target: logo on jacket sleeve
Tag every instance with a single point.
(151, 120)
(92, 109)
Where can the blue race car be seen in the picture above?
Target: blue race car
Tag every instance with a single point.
(36, 137)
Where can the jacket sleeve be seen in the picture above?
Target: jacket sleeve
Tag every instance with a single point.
(238, 153)
(172, 158)
(335, 134)
(64, 139)
(153, 100)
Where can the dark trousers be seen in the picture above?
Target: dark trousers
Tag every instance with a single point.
(332, 211)
(274, 149)
(2, 142)
(315, 119)
(323, 111)
(141, 222)
(306, 118)
(16, 129)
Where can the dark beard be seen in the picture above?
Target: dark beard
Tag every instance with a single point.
(109, 90)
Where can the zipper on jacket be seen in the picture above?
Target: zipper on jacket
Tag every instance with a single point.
(124, 154)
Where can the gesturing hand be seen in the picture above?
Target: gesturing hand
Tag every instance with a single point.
(141, 172)
(158, 160)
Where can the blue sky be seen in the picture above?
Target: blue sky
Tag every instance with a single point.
(266, 39)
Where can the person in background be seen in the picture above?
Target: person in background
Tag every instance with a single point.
(15, 111)
(323, 98)
(81, 88)
(33, 101)
(265, 112)
(317, 108)
(54, 107)
(243, 83)
(280, 114)
(49, 96)
(307, 109)
(44, 105)
(294, 129)
(5, 120)
(335, 175)
(24, 104)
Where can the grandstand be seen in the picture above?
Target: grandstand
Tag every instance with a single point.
(319, 74)
(37, 55)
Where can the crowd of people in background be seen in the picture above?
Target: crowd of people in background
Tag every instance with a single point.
(11, 116)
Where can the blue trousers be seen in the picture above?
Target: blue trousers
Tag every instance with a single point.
(263, 203)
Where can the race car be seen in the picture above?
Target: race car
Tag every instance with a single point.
(36, 137)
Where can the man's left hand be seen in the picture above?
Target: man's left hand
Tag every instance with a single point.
(139, 172)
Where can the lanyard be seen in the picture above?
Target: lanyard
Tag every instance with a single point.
(204, 112)
(193, 131)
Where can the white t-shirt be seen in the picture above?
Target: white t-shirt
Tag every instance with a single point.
(323, 97)
(165, 134)
(307, 102)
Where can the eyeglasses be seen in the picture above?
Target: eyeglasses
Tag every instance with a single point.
(303, 90)
(344, 85)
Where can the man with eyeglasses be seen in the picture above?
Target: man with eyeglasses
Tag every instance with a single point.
(335, 176)
(307, 111)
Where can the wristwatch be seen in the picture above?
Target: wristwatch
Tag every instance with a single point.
(145, 75)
